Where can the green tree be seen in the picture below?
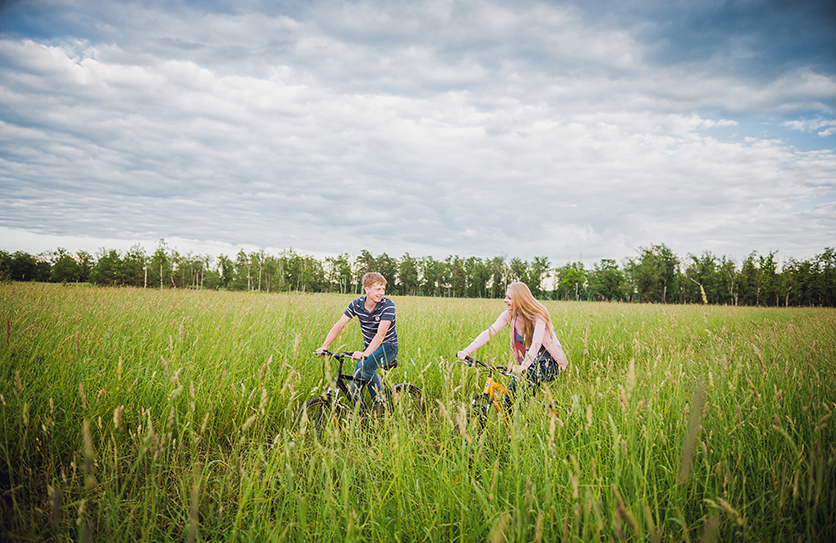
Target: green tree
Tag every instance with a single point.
(455, 276)
(344, 273)
(518, 269)
(477, 276)
(257, 260)
(226, 272)
(243, 278)
(500, 272)
(825, 265)
(135, 267)
(312, 275)
(652, 273)
(5, 266)
(178, 277)
(363, 264)
(159, 267)
(571, 282)
(338, 273)
(771, 281)
(432, 272)
(43, 269)
(85, 265)
(606, 281)
(23, 267)
(750, 281)
(303, 273)
(64, 267)
(704, 277)
(408, 276)
(538, 270)
(108, 268)
(387, 266)
(729, 281)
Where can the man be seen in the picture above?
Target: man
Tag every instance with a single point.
(376, 314)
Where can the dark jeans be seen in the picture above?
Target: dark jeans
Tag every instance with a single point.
(544, 368)
(365, 372)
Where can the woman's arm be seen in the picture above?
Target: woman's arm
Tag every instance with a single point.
(536, 342)
(556, 350)
(539, 338)
(485, 336)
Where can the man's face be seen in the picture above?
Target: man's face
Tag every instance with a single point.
(376, 292)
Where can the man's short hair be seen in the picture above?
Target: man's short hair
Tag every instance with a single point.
(371, 278)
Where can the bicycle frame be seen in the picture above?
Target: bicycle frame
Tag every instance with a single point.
(324, 408)
(341, 378)
(493, 391)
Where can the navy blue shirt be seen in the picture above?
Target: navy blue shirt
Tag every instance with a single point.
(370, 320)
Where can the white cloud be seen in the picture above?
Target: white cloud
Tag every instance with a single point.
(440, 128)
(813, 125)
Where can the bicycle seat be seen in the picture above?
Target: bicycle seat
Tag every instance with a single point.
(390, 366)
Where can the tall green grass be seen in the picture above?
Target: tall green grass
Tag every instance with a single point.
(165, 415)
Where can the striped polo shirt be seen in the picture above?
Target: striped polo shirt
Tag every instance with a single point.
(370, 320)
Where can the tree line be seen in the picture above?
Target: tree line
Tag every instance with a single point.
(654, 275)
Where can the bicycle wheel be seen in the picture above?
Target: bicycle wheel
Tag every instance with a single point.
(315, 413)
(479, 411)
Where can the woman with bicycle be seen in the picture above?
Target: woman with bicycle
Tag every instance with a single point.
(534, 344)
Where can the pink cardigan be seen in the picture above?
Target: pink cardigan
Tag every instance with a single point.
(541, 337)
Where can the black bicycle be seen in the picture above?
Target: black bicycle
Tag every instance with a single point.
(337, 402)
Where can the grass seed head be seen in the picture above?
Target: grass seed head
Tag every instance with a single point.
(688, 445)
(18, 385)
(81, 394)
(56, 502)
(117, 417)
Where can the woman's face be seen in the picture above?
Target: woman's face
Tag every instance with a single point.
(509, 303)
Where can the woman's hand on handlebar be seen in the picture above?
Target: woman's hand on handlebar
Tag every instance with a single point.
(461, 355)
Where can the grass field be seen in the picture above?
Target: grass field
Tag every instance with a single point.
(165, 415)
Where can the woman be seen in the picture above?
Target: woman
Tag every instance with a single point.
(533, 342)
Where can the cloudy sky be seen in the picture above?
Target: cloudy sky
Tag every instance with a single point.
(574, 130)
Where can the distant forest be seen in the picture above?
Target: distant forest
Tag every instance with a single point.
(654, 275)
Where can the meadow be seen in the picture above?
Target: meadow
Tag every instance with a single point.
(132, 414)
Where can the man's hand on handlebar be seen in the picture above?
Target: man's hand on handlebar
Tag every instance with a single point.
(358, 355)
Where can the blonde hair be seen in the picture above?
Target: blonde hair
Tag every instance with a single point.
(524, 304)
(371, 278)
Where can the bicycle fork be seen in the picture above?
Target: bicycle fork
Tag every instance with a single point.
(493, 395)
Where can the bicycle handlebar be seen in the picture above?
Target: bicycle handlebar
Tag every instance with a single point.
(338, 356)
(475, 362)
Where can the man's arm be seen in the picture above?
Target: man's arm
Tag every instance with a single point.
(334, 332)
(376, 340)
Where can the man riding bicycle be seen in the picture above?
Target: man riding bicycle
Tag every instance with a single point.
(376, 314)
